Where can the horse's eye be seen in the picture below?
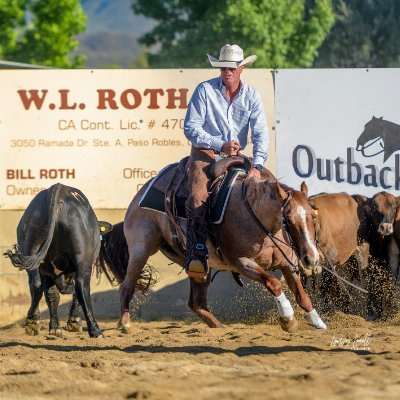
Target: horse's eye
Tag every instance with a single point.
(288, 222)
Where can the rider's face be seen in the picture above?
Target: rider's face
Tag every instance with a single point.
(231, 76)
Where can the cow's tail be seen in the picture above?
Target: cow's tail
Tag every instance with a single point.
(33, 261)
(113, 260)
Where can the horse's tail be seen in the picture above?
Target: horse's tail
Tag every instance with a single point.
(33, 261)
(113, 260)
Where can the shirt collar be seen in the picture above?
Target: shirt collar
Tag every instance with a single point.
(221, 86)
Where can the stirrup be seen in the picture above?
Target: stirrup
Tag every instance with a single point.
(197, 267)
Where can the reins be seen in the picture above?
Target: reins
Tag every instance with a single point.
(264, 229)
(335, 274)
(275, 240)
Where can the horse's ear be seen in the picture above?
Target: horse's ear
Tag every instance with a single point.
(281, 193)
(304, 188)
(381, 118)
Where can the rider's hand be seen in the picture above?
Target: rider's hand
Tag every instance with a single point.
(254, 172)
(230, 148)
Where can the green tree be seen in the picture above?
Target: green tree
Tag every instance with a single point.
(283, 33)
(11, 17)
(366, 34)
(46, 32)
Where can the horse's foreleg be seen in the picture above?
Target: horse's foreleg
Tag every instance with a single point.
(302, 298)
(198, 302)
(252, 270)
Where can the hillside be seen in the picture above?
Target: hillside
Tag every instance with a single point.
(112, 33)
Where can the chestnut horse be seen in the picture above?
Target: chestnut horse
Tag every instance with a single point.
(246, 246)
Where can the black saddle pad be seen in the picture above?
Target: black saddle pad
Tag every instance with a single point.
(154, 199)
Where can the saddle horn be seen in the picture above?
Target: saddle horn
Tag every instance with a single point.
(221, 166)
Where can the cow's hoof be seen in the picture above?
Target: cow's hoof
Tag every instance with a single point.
(68, 289)
(289, 326)
(124, 328)
(32, 328)
(372, 316)
(74, 325)
(96, 334)
(56, 332)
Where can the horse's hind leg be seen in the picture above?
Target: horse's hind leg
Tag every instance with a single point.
(252, 270)
(198, 302)
(302, 298)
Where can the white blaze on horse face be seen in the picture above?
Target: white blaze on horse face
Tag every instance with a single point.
(301, 212)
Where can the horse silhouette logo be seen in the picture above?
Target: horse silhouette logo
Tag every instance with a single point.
(379, 136)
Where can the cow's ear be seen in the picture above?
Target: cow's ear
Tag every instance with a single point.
(281, 193)
(360, 199)
(304, 188)
(381, 118)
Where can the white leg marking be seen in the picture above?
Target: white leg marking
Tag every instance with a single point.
(284, 307)
(315, 320)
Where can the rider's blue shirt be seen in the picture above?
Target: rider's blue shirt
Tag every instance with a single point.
(212, 120)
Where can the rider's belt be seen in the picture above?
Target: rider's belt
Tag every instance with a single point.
(210, 152)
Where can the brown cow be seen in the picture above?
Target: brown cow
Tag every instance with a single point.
(336, 226)
(354, 228)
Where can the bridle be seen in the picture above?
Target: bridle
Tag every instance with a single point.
(275, 240)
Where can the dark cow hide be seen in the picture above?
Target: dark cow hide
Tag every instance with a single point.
(58, 241)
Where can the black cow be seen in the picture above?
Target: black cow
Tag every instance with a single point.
(58, 241)
(377, 216)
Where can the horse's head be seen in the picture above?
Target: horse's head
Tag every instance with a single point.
(382, 209)
(298, 220)
(370, 142)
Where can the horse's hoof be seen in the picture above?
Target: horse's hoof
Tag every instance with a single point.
(56, 332)
(74, 325)
(32, 328)
(289, 326)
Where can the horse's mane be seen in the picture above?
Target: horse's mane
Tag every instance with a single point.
(258, 189)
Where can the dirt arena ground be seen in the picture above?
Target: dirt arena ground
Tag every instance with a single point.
(187, 360)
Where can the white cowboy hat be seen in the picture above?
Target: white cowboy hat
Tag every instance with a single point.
(231, 56)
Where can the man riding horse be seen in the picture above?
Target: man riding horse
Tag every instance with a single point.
(217, 122)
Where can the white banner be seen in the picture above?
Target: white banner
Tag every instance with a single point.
(105, 132)
(339, 130)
